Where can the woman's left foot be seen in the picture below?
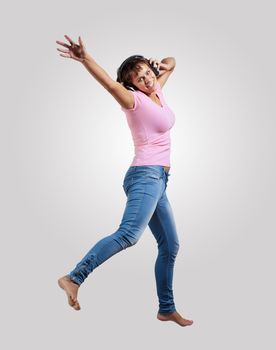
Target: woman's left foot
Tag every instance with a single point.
(71, 290)
(176, 317)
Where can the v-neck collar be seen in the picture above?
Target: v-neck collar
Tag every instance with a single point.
(154, 101)
(161, 104)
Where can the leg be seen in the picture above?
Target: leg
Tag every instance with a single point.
(143, 194)
(163, 227)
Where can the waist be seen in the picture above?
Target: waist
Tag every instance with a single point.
(156, 168)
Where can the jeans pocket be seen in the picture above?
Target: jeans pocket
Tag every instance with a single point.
(153, 176)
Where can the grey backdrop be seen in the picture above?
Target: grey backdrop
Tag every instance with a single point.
(65, 147)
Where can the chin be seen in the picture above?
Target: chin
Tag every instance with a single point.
(153, 87)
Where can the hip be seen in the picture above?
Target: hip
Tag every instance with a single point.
(159, 171)
(146, 176)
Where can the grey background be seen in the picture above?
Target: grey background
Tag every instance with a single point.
(65, 147)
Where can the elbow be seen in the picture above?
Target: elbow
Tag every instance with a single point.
(173, 63)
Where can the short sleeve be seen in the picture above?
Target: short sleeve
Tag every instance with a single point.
(137, 101)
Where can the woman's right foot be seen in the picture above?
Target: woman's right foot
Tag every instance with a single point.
(71, 289)
(176, 317)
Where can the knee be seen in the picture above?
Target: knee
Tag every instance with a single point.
(169, 253)
(133, 241)
(130, 239)
(174, 250)
(126, 239)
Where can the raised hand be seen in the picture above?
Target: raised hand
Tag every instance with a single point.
(162, 67)
(74, 51)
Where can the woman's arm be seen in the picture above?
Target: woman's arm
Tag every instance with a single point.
(78, 52)
(166, 67)
(123, 96)
(97, 72)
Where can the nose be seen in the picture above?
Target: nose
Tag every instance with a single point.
(147, 80)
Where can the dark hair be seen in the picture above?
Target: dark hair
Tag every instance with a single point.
(130, 65)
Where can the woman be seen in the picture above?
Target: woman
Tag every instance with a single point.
(138, 91)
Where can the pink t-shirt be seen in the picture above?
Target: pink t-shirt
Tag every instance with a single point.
(150, 127)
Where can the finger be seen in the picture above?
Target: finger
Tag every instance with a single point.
(81, 42)
(163, 65)
(65, 51)
(61, 43)
(69, 39)
(67, 56)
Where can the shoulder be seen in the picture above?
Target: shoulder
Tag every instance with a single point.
(137, 95)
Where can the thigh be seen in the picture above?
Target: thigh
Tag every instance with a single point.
(143, 192)
(162, 225)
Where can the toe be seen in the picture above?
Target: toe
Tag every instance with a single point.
(76, 306)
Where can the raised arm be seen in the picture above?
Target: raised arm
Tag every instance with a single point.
(78, 52)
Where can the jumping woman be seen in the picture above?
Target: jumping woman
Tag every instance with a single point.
(138, 90)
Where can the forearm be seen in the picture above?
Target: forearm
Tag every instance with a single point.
(98, 72)
(170, 61)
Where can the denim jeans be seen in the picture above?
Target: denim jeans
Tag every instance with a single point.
(147, 204)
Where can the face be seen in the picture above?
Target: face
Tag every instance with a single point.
(145, 80)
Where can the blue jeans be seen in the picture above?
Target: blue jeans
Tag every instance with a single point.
(147, 204)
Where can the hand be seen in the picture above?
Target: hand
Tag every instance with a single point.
(75, 51)
(162, 67)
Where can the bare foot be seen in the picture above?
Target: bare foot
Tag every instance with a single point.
(176, 317)
(71, 290)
